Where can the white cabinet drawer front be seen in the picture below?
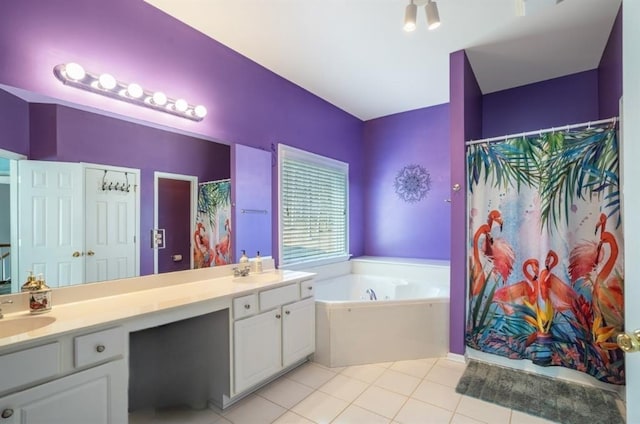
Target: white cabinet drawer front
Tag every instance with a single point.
(306, 288)
(245, 306)
(275, 297)
(99, 346)
(29, 365)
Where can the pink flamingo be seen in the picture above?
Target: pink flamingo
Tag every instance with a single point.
(552, 288)
(495, 250)
(518, 292)
(607, 290)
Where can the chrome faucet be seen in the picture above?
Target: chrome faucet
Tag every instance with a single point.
(372, 294)
(3, 302)
(240, 272)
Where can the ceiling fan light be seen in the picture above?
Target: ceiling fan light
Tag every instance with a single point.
(410, 14)
(433, 17)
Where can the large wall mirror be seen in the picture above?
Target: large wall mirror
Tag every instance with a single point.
(62, 133)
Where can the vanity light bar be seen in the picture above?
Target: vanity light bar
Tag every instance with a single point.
(75, 75)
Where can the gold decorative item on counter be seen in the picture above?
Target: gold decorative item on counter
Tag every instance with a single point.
(40, 294)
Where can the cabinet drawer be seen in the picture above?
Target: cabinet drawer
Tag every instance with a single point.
(99, 346)
(306, 288)
(29, 365)
(275, 297)
(245, 306)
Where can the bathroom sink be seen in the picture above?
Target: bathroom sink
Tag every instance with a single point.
(265, 277)
(12, 326)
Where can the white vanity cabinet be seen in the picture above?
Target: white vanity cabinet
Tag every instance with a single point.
(86, 383)
(280, 335)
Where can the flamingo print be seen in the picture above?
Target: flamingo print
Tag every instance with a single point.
(496, 251)
(518, 292)
(607, 289)
(552, 288)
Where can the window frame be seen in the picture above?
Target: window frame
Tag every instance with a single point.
(295, 154)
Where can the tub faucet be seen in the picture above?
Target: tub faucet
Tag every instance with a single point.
(3, 302)
(372, 294)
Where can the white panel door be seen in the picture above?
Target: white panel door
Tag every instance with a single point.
(110, 223)
(50, 221)
(631, 195)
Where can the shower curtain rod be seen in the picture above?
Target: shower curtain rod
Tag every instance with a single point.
(524, 134)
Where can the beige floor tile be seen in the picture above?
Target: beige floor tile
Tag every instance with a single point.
(292, 418)
(381, 401)
(343, 387)
(320, 407)
(253, 409)
(444, 375)
(384, 364)
(367, 373)
(356, 415)
(415, 411)
(415, 367)
(437, 394)
(461, 419)
(398, 382)
(332, 369)
(449, 363)
(518, 417)
(285, 392)
(483, 411)
(311, 375)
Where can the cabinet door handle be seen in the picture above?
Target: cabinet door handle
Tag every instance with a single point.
(287, 312)
(278, 316)
(247, 306)
(7, 413)
(100, 348)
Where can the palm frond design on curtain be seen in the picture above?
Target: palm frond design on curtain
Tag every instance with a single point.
(212, 235)
(545, 250)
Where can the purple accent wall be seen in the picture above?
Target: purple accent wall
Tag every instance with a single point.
(247, 104)
(394, 227)
(43, 131)
(14, 123)
(174, 215)
(465, 123)
(571, 99)
(610, 72)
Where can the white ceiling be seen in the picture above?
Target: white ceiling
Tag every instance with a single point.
(355, 55)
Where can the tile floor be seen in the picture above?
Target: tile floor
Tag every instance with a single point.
(418, 391)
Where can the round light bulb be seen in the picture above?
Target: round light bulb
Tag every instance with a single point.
(200, 111)
(159, 98)
(134, 90)
(107, 81)
(182, 105)
(74, 71)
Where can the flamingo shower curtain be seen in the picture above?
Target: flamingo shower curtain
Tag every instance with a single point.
(545, 250)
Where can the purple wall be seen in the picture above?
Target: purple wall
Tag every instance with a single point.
(247, 104)
(610, 72)
(14, 123)
(466, 123)
(394, 227)
(560, 101)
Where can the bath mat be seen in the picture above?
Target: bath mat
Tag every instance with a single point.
(545, 397)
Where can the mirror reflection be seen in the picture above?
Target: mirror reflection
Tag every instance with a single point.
(98, 147)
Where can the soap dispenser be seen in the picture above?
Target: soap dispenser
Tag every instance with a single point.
(244, 261)
(39, 294)
(258, 263)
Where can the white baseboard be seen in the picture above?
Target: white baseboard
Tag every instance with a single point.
(456, 357)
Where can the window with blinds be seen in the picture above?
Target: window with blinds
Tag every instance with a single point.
(313, 205)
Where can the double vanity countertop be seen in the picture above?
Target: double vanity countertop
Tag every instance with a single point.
(140, 302)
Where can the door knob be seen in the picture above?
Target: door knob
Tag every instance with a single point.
(91, 253)
(76, 254)
(629, 342)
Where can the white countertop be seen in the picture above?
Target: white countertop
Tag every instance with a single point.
(190, 298)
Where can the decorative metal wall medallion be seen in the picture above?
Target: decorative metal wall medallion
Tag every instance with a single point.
(412, 183)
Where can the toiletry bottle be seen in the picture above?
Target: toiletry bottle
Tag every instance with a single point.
(258, 263)
(30, 284)
(244, 261)
(39, 297)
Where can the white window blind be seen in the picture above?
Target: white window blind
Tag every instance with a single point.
(313, 207)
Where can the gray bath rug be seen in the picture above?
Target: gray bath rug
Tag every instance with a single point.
(545, 397)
